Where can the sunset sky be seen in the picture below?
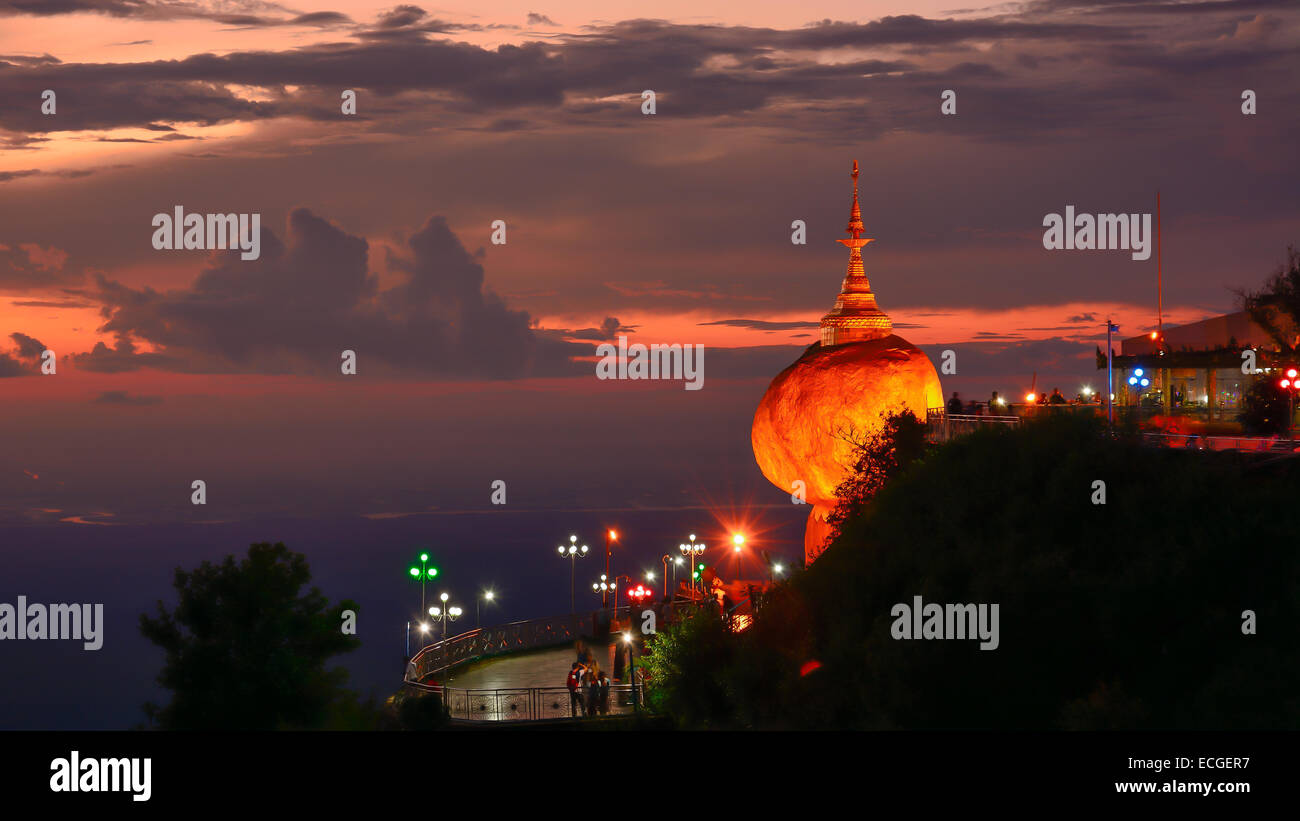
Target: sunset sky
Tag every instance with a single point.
(667, 228)
(475, 360)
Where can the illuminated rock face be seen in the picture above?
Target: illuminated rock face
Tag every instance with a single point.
(799, 428)
(840, 391)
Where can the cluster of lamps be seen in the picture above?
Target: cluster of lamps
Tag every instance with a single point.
(446, 612)
(1138, 379)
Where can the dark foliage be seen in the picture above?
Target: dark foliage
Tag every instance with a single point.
(245, 648)
(1276, 306)
(421, 712)
(880, 456)
(1264, 409)
(1126, 614)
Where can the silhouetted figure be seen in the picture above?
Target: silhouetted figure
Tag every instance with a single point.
(590, 693)
(573, 683)
(603, 695)
(954, 404)
(995, 405)
(1057, 398)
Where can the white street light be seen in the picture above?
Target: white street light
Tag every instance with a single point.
(573, 552)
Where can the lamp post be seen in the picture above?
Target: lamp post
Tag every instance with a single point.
(444, 614)
(631, 663)
(611, 536)
(423, 574)
(613, 586)
(490, 597)
(666, 559)
(691, 551)
(738, 541)
(1138, 381)
(1110, 376)
(603, 587)
(572, 552)
(1290, 384)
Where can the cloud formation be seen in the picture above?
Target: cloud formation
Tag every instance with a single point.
(311, 297)
(24, 359)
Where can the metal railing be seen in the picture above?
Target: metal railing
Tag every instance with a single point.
(1249, 444)
(530, 634)
(493, 641)
(529, 703)
(945, 426)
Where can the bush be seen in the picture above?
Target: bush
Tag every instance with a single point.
(1126, 614)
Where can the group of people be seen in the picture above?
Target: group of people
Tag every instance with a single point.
(997, 404)
(588, 686)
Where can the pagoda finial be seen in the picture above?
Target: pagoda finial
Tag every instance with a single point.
(855, 317)
(855, 228)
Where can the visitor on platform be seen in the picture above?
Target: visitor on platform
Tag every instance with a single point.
(592, 693)
(995, 405)
(584, 653)
(1042, 399)
(575, 696)
(603, 696)
(1057, 398)
(954, 404)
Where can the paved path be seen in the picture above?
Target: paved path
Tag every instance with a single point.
(544, 668)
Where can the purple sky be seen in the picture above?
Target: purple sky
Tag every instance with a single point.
(474, 358)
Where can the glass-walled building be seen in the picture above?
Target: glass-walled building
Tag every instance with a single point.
(1193, 369)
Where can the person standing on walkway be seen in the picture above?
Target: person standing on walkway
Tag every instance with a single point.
(603, 697)
(575, 679)
(593, 694)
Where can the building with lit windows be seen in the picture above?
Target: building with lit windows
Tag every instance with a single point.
(1194, 369)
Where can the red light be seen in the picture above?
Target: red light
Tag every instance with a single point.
(1291, 372)
(1286, 383)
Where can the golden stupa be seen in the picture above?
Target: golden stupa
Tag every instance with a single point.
(841, 389)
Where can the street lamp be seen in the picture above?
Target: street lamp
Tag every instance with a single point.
(572, 552)
(602, 587)
(423, 574)
(444, 614)
(631, 664)
(690, 551)
(666, 559)
(1290, 384)
(738, 540)
(490, 597)
(611, 536)
(613, 587)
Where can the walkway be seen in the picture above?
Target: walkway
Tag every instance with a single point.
(543, 668)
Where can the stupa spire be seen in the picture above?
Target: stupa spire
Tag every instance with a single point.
(855, 317)
(855, 228)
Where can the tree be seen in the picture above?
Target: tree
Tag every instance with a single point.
(879, 456)
(1276, 306)
(245, 648)
(1127, 614)
(1264, 408)
(687, 661)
